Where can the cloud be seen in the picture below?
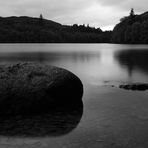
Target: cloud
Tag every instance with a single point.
(51, 7)
(139, 5)
(111, 2)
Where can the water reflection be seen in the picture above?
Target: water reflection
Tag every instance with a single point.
(56, 123)
(42, 57)
(133, 60)
(94, 64)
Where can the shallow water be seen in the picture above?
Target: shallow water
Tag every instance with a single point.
(111, 117)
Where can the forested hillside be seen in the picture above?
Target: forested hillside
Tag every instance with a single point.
(40, 30)
(132, 29)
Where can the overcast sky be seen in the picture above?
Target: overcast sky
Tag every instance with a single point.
(97, 13)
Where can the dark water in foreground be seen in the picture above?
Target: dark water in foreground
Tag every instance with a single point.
(111, 117)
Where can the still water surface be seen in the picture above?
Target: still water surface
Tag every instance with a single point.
(93, 63)
(111, 117)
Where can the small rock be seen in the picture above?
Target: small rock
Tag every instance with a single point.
(136, 86)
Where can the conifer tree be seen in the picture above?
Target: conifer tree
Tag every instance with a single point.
(132, 13)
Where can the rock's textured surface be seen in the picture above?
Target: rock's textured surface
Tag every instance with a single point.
(35, 88)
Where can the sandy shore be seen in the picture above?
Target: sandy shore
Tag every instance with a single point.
(112, 118)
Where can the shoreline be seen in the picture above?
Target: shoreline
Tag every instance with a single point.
(112, 118)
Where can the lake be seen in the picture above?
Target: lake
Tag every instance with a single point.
(111, 117)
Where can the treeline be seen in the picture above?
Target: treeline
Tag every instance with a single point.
(132, 29)
(40, 30)
(85, 34)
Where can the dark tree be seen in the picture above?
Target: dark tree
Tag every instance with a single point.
(132, 13)
(132, 17)
(41, 17)
(41, 20)
(135, 33)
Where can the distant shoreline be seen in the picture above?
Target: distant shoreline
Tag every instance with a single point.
(131, 30)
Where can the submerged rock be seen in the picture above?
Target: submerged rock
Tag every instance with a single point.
(28, 88)
(137, 86)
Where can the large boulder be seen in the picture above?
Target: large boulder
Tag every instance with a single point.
(30, 88)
